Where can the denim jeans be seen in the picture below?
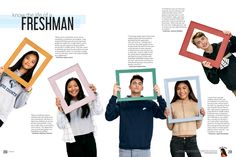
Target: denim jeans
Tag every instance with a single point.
(180, 145)
(134, 153)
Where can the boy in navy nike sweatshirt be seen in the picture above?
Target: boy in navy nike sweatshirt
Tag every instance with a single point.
(136, 118)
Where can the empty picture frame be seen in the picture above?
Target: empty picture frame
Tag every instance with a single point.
(58, 82)
(184, 51)
(24, 45)
(169, 90)
(123, 78)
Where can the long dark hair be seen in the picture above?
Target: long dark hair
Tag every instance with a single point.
(223, 151)
(68, 98)
(29, 73)
(190, 95)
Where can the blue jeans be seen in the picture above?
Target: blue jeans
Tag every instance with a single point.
(180, 145)
(134, 153)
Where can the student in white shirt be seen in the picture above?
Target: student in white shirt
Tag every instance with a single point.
(13, 94)
(78, 125)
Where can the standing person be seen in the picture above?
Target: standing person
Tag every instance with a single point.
(226, 72)
(78, 125)
(136, 119)
(184, 105)
(13, 94)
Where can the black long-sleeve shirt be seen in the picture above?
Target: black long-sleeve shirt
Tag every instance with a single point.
(227, 74)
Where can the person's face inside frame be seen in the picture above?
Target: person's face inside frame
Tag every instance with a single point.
(73, 89)
(202, 43)
(136, 88)
(183, 91)
(28, 62)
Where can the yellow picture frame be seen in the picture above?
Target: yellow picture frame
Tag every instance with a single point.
(25, 42)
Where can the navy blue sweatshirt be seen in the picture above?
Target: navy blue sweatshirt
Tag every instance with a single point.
(136, 120)
(228, 74)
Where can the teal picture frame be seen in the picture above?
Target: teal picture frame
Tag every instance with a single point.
(138, 72)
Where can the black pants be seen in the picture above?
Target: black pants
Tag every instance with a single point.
(85, 146)
(180, 145)
(1, 122)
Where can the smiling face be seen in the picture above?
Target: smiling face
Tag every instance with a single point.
(136, 86)
(29, 61)
(183, 91)
(73, 88)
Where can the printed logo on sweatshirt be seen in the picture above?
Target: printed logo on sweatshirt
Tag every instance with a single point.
(12, 83)
(8, 90)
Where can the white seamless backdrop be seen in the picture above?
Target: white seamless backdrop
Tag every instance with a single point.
(107, 26)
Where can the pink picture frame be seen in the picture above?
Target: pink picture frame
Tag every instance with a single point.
(184, 52)
(75, 68)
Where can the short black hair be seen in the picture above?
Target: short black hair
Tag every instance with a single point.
(136, 77)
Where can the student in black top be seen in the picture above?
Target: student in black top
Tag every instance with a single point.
(227, 70)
